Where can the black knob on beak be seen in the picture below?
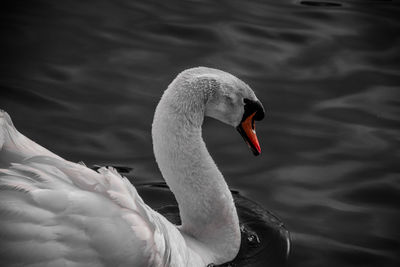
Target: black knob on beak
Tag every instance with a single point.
(251, 106)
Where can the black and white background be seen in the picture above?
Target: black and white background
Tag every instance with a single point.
(82, 78)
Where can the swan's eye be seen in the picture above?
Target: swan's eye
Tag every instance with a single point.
(231, 99)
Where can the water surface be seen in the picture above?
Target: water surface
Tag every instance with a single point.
(83, 78)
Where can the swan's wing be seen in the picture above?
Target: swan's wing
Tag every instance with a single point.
(16, 147)
(49, 219)
(57, 213)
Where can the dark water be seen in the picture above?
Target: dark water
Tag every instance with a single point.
(83, 78)
(264, 239)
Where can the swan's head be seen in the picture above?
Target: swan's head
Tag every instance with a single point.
(219, 95)
(233, 102)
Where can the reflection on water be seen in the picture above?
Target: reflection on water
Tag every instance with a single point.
(83, 79)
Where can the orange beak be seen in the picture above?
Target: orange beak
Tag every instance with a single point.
(247, 129)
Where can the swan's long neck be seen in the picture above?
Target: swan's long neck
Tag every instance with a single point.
(206, 205)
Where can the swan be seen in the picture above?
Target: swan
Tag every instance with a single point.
(55, 212)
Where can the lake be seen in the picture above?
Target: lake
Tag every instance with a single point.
(82, 78)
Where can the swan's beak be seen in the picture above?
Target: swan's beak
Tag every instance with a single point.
(253, 111)
(247, 129)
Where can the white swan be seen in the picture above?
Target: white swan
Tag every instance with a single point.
(54, 212)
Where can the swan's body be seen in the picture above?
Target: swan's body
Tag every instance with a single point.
(54, 212)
